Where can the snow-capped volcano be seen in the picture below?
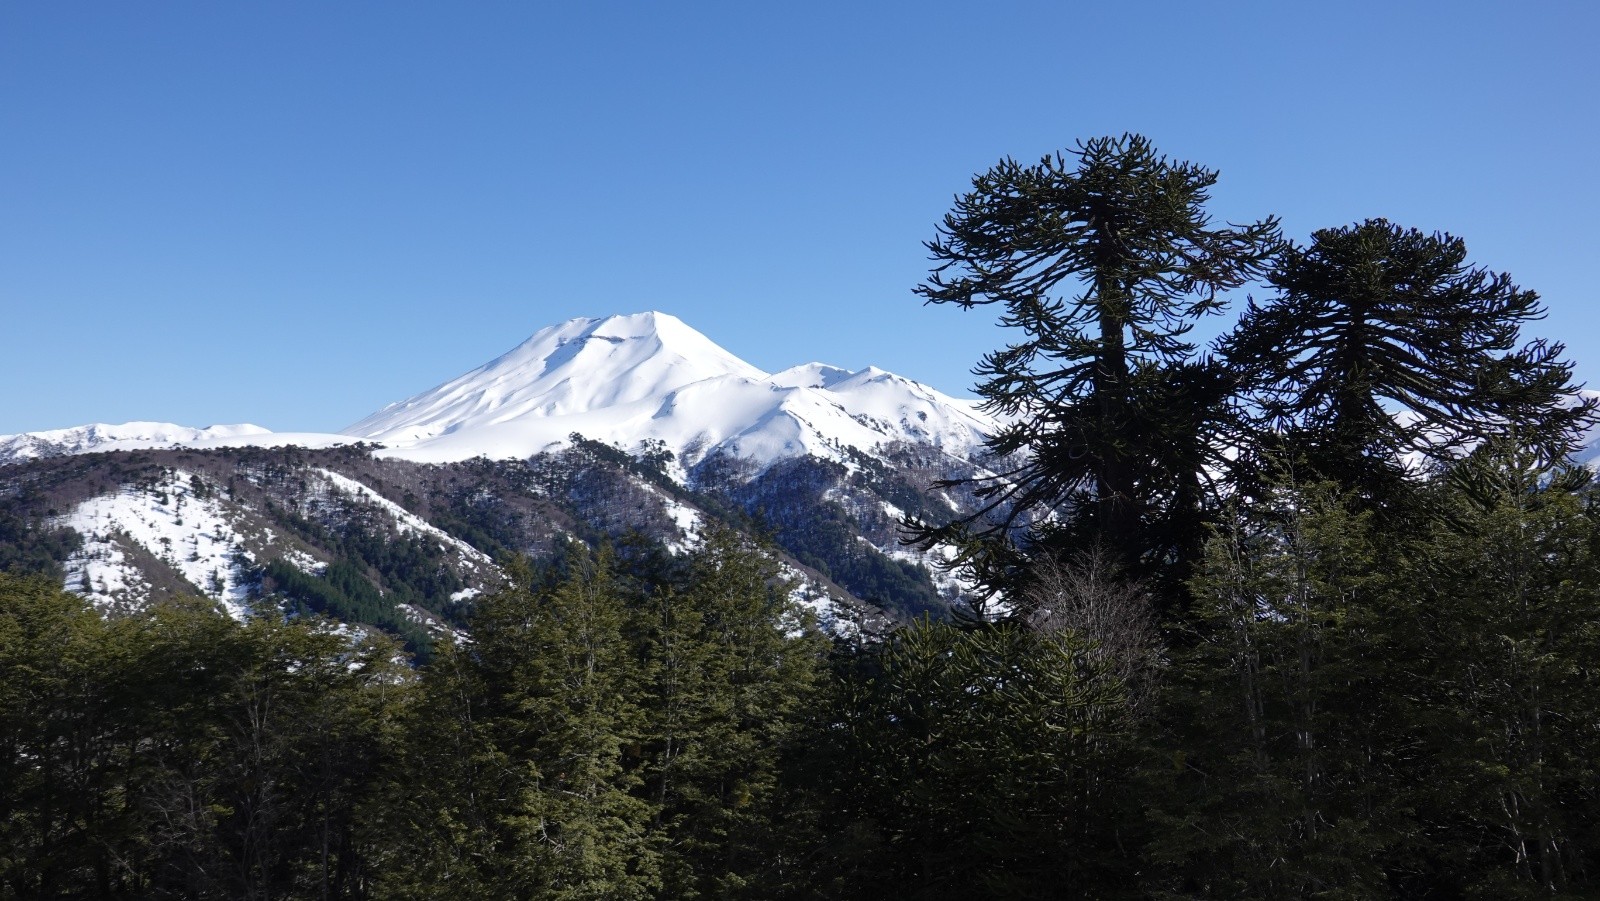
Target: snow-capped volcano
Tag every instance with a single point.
(814, 444)
(649, 379)
(577, 367)
(640, 381)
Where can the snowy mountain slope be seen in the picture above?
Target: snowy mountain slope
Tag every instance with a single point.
(408, 523)
(165, 523)
(642, 381)
(178, 523)
(648, 379)
(151, 525)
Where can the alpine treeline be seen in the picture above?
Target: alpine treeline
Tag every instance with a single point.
(1311, 613)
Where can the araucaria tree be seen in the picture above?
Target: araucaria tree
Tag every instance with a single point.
(1382, 341)
(1103, 259)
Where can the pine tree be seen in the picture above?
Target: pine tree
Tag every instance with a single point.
(1384, 341)
(541, 713)
(735, 664)
(1285, 709)
(435, 821)
(1103, 259)
(982, 763)
(1510, 587)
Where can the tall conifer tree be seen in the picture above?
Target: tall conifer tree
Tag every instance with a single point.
(735, 664)
(1103, 259)
(542, 711)
(1384, 341)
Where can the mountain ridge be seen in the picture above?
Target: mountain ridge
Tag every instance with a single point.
(640, 381)
(595, 429)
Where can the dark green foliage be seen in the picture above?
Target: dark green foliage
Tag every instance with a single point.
(57, 728)
(1103, 259)
(825, 542)
(411, 567)
(733, 669)
(608, 737)
(1372, 714)
(27, 546)
(1371, 320)
(1508, 611)
(177, 753)
(1290, 709)
(343, 593)
(652, 464)
(518, 779)
(482, 523)
(977, 764)
(791, 499)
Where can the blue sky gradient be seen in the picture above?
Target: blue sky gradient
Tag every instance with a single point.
(294, 213)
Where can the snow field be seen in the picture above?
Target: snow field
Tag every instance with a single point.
(193, 535)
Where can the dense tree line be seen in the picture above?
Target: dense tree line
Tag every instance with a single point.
(616, 727)
(1345, 711)
(1312, 614)
(179, 753)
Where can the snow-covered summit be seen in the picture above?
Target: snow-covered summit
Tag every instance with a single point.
(577, 367)
(648, 378)
(640, 381)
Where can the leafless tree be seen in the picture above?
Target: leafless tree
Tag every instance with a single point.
(1088, 593)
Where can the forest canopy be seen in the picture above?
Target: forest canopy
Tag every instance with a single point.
(1312, 612)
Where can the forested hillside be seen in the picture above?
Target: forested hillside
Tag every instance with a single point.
(1313, 612)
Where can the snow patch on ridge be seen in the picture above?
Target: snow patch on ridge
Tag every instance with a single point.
(407, 522)
(192, 535)
(130, 436)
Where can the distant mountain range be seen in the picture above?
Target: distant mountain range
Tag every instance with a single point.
(622, 428)
(641, 381)
(633, 424)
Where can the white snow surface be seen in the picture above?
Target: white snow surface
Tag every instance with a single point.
(129, 436)
(192, 535)
(688, 521)
(648, 377)
(636, 381)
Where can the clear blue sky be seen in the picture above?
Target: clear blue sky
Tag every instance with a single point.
(294, 213)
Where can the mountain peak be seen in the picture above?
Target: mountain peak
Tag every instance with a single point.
(576, 367)
(649, 378)
(640, 380)
(649, 324)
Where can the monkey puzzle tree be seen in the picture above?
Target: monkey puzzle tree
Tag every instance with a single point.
(1103, 259)
(1383, 341)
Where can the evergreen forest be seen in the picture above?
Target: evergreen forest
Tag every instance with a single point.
(1311, 611)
